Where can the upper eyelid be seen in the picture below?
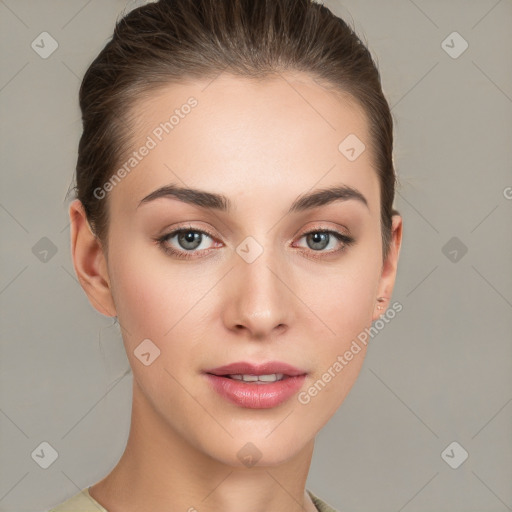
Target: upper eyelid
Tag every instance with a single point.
(202, 230)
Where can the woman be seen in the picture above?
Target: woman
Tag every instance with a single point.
(234, 211)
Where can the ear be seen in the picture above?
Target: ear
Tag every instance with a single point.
(389, 268)
(89, 261)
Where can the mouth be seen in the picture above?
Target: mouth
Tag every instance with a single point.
(258, 379)
(270, 371)
(256, 386)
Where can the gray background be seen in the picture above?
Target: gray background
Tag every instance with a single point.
(440, 372)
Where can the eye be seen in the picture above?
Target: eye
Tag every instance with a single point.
(188, 241)
(320, 239)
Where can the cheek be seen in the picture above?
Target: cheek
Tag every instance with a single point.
(147, 292)
(346, 308)
(345, 303)
(344, 299)
(157, 300)
(138, 296)
(154, 303)
(346, 313)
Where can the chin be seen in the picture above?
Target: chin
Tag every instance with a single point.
(259, 450)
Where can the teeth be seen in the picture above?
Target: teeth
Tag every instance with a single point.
(273, 377)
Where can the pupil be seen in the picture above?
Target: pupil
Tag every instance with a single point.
(320, 240)
(190, 237)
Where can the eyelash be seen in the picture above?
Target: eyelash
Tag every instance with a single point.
(347, 241)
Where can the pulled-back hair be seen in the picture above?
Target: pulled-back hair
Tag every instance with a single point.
(171, 41)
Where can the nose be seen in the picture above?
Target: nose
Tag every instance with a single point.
(259, 301)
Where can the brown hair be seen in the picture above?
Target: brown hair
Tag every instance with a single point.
(174, 40)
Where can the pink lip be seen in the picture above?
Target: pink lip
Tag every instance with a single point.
(253, 395)
(257, 369)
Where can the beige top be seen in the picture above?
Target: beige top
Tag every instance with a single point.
(84, 502)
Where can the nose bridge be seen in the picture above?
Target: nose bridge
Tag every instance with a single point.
(261, 301)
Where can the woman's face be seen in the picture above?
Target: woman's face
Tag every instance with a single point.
(255, 287)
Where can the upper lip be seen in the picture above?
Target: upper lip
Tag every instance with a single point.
(268, 368)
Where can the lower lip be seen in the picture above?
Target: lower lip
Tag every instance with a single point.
(256, 396)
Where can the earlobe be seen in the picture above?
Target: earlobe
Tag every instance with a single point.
(389, 269)
(89, 261)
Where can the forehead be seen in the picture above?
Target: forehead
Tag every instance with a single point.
(242, 137)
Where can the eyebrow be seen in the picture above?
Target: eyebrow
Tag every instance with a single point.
(221, 203)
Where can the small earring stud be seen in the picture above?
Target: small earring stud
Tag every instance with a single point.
(381, 299)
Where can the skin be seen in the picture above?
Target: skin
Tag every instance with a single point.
(262, 144)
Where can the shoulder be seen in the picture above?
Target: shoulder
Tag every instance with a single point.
(80, 502)
(321, 505)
